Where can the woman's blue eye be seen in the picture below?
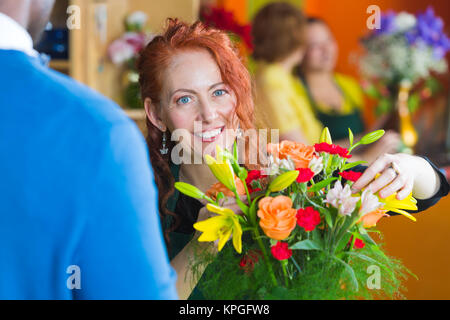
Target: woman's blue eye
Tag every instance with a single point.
(184, 100)
(219, 93)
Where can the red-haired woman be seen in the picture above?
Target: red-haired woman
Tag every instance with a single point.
(194, 85)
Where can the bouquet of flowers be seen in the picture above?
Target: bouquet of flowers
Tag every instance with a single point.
(406, 50)
(124, 52)
(301, 234)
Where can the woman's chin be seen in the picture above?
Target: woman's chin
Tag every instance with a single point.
(208, 146)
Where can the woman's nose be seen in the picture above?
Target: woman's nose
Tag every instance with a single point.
(208, 112)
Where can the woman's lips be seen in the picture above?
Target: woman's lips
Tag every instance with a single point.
(210, 135)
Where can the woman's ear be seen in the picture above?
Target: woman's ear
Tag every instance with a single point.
(151, 109)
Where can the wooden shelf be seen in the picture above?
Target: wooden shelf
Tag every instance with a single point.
(60, 64)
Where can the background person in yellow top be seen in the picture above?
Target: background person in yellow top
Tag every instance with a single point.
(280, 99)
(336, 99)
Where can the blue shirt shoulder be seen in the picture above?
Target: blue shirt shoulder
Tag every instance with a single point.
(78, 201)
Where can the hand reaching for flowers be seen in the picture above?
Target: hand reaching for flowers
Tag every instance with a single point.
(401, 173)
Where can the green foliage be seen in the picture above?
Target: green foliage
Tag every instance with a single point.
(322, 277)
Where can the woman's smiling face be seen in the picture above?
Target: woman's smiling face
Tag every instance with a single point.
(194, 98)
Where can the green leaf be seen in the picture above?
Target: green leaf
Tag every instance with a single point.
(306, 245)
(316, 238)
(413, 102)
(384, 106)
(242, 206)
(365, 235)
(352, 164)
(372, 91)
(350, 271)
(322, 184)
(327, 215)
(372, 137)
(220, 196)
(343, 242)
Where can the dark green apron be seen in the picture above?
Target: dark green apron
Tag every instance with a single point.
(178, 240)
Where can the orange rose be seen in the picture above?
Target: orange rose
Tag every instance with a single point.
(370, 219)
(299, 153)
(277, 217)
(218, 187)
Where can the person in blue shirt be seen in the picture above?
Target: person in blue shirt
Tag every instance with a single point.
(78, 205)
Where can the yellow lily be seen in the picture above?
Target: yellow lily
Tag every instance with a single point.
(221, 169)
(391, 203)
(221, 227)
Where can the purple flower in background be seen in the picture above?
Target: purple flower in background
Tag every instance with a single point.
(429, 30)
(387, 23)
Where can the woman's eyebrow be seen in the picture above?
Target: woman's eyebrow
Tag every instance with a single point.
(193, 91)
(215, 85)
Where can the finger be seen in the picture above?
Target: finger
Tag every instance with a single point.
(406, 190)
(369, 174)
(386, 177)
(397, 184)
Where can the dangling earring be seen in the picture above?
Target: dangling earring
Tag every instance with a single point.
(239, 132)
(164, 149)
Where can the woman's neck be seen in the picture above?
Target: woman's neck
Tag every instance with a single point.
(318, 77)
(198, 175)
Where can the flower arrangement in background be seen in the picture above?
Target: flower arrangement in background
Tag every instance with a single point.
(302, 233)
(407, 50)
(225, 20)
(124, 52)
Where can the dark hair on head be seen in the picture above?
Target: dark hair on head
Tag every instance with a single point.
(311, 20)
(152, 63)
(277, 30)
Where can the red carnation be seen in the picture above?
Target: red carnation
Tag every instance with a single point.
(323, 147)
(332, 149)
(249, 260)
(253, 175)
(308, 218)
(280, 251)
(350, 175)
(359, 244)
(304, 175)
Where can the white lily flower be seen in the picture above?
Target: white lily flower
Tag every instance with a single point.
(342, 199)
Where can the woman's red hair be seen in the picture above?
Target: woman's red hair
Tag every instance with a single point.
(151, 64)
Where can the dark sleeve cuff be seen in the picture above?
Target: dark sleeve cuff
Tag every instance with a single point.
(442, 192)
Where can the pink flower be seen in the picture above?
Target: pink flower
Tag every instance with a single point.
(120, 51)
